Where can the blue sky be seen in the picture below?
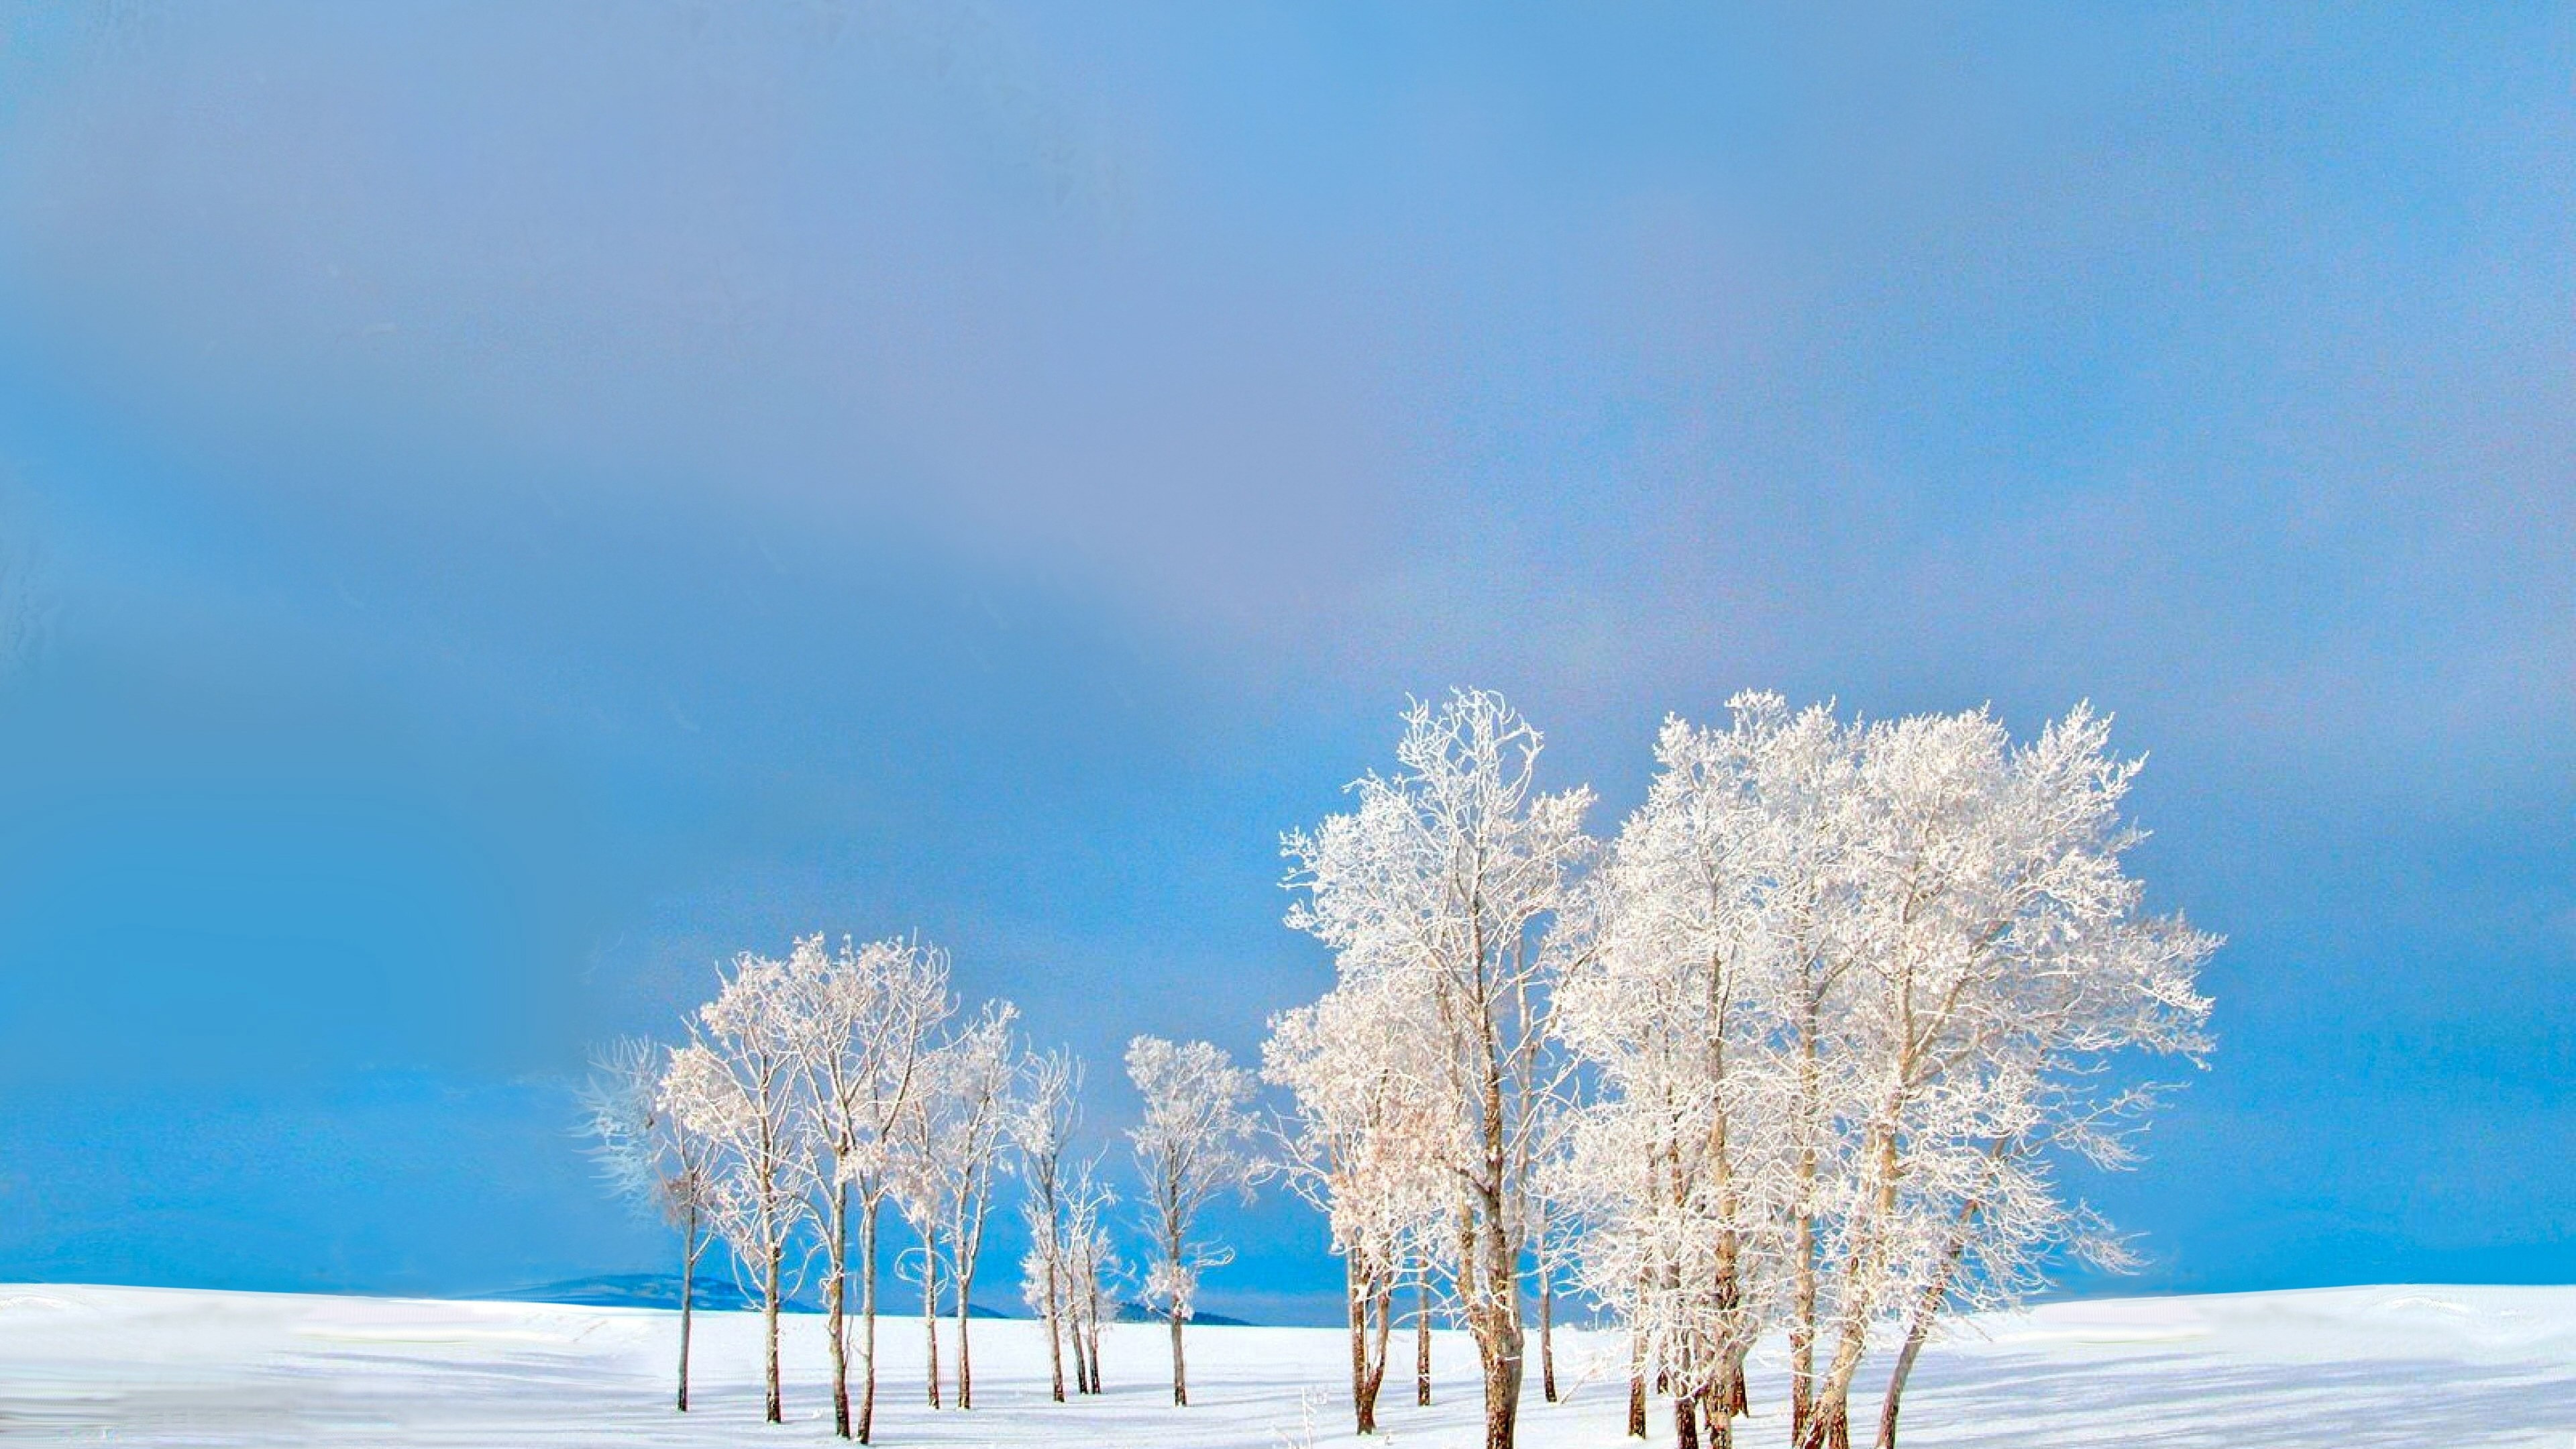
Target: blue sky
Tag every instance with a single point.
(523, 504)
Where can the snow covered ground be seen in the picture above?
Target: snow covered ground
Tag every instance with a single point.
(2339, 1367)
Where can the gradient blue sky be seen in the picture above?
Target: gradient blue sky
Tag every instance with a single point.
(525, 501)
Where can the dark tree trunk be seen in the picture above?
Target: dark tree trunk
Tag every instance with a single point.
(1685, 1422)
(1636, 1386)
(1502, 1372)
(1422, 1345)
(1094, 1330)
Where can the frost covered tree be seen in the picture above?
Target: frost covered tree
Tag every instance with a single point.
(2001, 972)
(1050, 1112)
(1091, 1268)
(736, 1086)
(1362, 1148)
(1190, 1148)
(649, 1158)
(1689, 1015)
(1447, 877)
(863, 1019)
(980, 1073)
(946, 1160)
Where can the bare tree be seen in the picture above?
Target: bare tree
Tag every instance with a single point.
(651, 1159)
(1189, 1149)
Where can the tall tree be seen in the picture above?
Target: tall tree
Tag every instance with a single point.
(981, 1070)
(1189, 1149)
(736, 1085)
(2002, 969)
(651, 1159)
(1449, 874)
(1051, 1111)
(863, 1019)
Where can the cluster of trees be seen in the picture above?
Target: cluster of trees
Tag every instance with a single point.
(815, 1091)
(1801, 1049)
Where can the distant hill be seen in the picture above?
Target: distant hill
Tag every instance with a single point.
(715, 1292)
(1139, 1313)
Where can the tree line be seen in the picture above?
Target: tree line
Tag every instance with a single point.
(1803, 1048)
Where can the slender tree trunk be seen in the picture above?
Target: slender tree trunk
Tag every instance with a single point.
(688, 1285)
(1927, 1307)
(1384, 1310)
(1054, 1327)
(1422, 1345)
(1073, 1336)
(769, 1333)
(1094, 1330)
(1180, 1365)
(1547, 1339)
(930, 1309)
(837, 1291)
(867, 1319)
(1363, 1412)
(965, 1344)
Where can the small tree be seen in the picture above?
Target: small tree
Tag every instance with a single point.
(1188, 1150)
(1364, 1148)
(650, 1158)
(1091, 1266)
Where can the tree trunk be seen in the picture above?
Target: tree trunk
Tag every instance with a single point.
(867, 1320)
(1180, 1365)
(1054, 1327)
(965, 1345)
(837, 1293)
(1636, 1385)
(1095, 1352)
(688, 1285)
(930, 1309)
(769, 1333)
(1828, 1421)
(1685, 1422)
(1422, 1345)
(1363, 1412)
(1081, 1358)
(1501, 1353)
(1547, 1340)
(1384, 1310)
(1926, 1308)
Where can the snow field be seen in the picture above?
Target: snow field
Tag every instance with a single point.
(2333, 1367)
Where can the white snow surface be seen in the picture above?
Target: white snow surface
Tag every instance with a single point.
(2343, 1367)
